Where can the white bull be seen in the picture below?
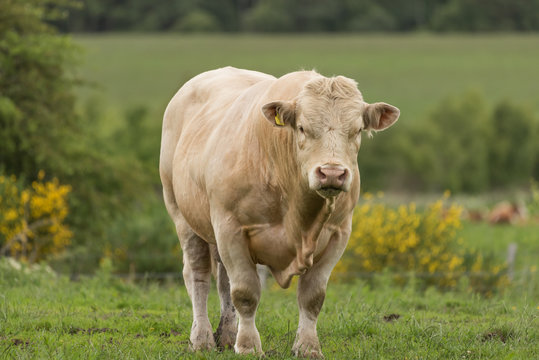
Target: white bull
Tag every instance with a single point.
(259, 170)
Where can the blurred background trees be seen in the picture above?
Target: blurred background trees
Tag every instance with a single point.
(463, 145)
(304, 15)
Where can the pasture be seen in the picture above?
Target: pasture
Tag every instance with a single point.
(412, 72)
(49, 316)
(46, 316)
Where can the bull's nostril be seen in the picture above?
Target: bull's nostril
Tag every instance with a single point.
(343, 176)
(320, 173)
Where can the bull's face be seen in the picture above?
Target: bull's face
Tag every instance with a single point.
(327, 120)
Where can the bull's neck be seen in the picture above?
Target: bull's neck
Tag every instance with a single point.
(308, 206)
(307, 214)
(278, 161)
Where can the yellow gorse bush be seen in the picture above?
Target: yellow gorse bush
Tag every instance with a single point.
(404, 240)
(32, 219)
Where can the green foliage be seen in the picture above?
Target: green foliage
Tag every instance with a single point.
(368, 16)
(36, 101)
(197, 21)
(482, 148)
(41, 129)
(496, 15)
(459, 142)
(270, 16)
(144, 241)
(533, 206)
(307, 15)
(513, 150)
(463, 146)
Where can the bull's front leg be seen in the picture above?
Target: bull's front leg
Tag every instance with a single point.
(311, 293)
(244, 285)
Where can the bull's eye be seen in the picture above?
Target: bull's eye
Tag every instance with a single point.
(301, 130)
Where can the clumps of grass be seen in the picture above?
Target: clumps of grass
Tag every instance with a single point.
(90, 331)
(391, 317)
(501, 334)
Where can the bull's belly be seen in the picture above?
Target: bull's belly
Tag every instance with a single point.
(270, 246)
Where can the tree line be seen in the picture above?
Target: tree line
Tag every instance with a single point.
(303, 15)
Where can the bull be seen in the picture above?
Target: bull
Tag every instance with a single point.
(263, 170)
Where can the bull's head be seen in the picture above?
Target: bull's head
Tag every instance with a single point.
(327, 119)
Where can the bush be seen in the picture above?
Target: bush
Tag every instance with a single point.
(370, 17)
(32, 220)
(198, 21)
(459, 144)
(476, 16)
(533, 205)
(41, 129)
(513, 149)
(463, 146)
(144, 241)
(270, 16)
(404, 241)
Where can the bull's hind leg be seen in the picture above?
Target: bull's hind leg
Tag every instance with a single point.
(196, 271)
(225, 335)
(197, 276)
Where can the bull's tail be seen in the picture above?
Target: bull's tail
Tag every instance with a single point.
(214, 259)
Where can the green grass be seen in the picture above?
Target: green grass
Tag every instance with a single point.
(45, 316)
(412, 72)
(495, 240)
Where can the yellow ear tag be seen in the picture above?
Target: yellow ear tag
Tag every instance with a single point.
(278, 120)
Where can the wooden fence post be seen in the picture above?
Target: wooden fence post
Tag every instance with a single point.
(511, 254)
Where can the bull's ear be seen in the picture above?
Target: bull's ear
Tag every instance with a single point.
(380, 116)
(280, 113)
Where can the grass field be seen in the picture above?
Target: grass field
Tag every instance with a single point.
(495, 240)
(412, 72)
(45, 316)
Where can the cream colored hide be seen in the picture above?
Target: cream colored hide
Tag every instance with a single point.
(259, 170)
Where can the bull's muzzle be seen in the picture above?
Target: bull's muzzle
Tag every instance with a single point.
(331, 179)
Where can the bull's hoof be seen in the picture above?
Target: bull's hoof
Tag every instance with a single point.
(225, 337)
(308, 350)
(243, 350)
(201, 338)
(248, 344)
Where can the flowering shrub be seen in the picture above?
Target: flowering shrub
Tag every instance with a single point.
(32, 219)
(404, 240)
